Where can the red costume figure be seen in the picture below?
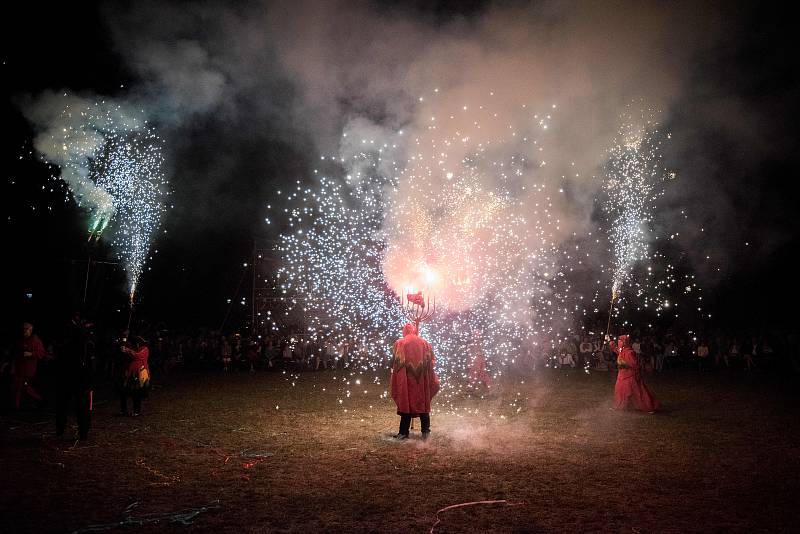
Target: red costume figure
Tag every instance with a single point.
(414, 381)
(137, 376)
(476, 366)
(630, 384)
(29, 352)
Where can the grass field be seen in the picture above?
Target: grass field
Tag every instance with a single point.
(251, 453)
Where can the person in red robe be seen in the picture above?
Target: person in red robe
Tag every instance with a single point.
(476, 365)
(630, 386)
(137, 376)
(414, 382)
(29, 352)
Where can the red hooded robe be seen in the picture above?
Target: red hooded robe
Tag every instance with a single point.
(414, 381)
(477, 368)
(25, 366)
(138, 358)
(630, 386)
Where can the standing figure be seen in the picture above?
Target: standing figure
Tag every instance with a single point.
(750, 352)
(251, 353)
(630, 385)
(702, 352)
(566, 353)
(286, 354)
(269, 353)
(344, 353)
(585, 349)
(75, 364)
(321, 356)
(476, 366)
(137, 376)
(29, 351)
(225, 352)
(414, 381)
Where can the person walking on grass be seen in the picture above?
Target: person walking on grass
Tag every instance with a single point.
(630, 388)
(137, 376)
(29, 351)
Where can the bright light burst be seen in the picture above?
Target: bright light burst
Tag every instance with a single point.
(112, 161)
(472, 226)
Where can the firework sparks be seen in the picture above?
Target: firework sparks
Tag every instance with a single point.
(464, 210)
(634, 180)
(355, 244)
(111, 160)
(643, 263)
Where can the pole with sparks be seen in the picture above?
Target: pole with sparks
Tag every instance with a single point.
(614, 296)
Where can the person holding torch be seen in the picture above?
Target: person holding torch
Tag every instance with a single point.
(414, 382)
(630, 387)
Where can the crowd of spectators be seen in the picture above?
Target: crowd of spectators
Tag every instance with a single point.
(659, 350)
(207, 350)
(236, 352)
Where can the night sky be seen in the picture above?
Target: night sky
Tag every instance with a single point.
(248, 96)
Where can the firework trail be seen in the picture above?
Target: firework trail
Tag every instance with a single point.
(112, 161)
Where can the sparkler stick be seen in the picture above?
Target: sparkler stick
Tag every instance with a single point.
(614, 295)
(130, 309)
(86, 281)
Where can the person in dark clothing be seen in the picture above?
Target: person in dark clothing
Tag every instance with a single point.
(74, 363)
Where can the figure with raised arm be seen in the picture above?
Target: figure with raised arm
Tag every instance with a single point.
(630, 388)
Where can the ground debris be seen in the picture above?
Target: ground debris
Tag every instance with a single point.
(471, 503)
(184, 517)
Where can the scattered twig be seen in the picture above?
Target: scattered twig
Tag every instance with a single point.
(184, 517)
(247, 453)
(167, 479)
(464, 504)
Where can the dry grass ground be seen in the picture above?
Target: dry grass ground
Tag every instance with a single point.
(262, 455)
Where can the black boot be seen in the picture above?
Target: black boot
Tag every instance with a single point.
(405, 426)
(425, 423)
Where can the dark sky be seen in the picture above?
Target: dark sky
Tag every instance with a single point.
(732, 97)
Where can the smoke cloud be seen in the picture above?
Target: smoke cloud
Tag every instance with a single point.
(250, 95)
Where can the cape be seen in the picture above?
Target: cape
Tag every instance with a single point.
(414, 381)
